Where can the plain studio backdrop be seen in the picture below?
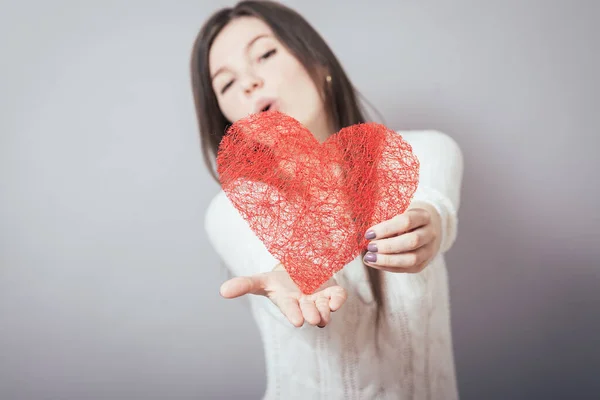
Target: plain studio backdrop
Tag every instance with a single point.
(108, 286)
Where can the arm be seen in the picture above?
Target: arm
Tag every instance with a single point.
(258, 272)
(233, 240)
(440, 180)
(409, 241)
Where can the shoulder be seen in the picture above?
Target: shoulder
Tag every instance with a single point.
(216, 201)
(429, 140)
(221, 209)
(240, 191)
(433, 147)
(218, 208)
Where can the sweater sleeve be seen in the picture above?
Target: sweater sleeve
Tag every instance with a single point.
(233, 239)
(440, 179)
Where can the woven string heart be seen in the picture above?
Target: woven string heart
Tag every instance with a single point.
(311, 203)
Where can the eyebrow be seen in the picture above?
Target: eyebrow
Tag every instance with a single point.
(250, 43)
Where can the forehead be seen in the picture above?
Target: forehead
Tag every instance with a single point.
(231, 42)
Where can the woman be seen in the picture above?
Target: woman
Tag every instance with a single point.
(390, 335)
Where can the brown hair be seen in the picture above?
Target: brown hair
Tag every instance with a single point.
(312, 52)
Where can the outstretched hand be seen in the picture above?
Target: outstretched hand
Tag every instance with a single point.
(297, 307)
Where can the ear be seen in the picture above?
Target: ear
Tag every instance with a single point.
(322, 80)
(322, 73)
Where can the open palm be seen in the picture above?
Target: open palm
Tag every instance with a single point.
(277, 285)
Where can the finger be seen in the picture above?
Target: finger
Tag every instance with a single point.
(309, 311)
(403, 243)
(322, 304)
(291, 309)
(398, 262)
(337, 297)
(243, 285)
(402, 223)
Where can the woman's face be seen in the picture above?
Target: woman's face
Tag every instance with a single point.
(252, 71)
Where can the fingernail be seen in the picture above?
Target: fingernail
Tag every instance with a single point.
(370, 235)
(370, 257)
(372, 247)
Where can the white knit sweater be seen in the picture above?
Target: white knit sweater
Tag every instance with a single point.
(340, 361)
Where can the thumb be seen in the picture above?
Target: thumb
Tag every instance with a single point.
(243, 285)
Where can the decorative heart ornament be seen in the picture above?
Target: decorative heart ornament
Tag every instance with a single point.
(311, 203)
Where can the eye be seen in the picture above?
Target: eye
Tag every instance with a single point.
(268, 54)
(227, 86)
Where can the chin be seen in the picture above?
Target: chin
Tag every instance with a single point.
(300, 117)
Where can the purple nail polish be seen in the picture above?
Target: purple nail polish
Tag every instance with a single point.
(370, 235)
(370, 257)
(372, 247)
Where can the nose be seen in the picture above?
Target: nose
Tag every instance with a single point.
(251, 82)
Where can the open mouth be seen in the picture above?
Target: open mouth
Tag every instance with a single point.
(266, 104)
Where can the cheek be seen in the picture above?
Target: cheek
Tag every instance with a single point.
(299, 87)
(297, 75)
(230, 107)
(226, 108)
(292, 77)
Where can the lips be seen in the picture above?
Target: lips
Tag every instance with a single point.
(266, 104)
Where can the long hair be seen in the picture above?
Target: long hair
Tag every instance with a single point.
(309, 48)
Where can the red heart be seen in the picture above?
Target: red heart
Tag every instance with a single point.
(311, 203)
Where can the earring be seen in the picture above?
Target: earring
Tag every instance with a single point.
(328, 78)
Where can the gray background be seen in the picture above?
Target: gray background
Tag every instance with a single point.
(108, 287)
